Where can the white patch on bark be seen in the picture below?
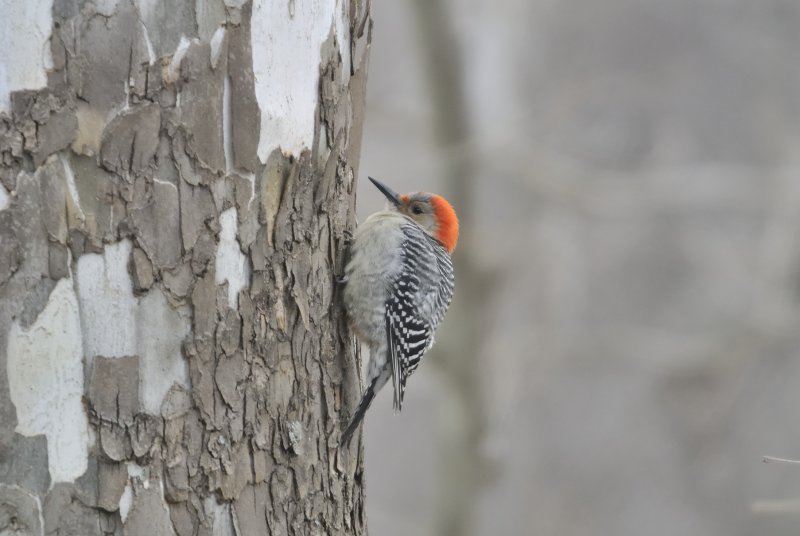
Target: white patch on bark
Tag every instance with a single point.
(126, 499)
(72, 188)
(227, 127)
(107, 304)
(286, 38)
(45, 377)
(231, 264)
(24, 45)
(174, 69)
(222, 524)
(136, 470)
(216, 45)
(5, 199)
(143, 506)
(151, 53)
(252, 178)
(116, 324)
(165, 183)
(160, 330)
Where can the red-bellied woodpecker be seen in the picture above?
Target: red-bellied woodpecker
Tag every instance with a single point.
(398, 285)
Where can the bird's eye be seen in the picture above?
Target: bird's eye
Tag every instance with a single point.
(416, 209)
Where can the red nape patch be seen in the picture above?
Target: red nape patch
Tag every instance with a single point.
(447, 233)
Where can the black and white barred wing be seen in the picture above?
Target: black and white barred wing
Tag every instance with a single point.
(419, 299)
(409, 339)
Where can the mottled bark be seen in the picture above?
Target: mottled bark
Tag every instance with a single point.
(173, 356)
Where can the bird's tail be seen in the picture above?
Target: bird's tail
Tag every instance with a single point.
(358, 416)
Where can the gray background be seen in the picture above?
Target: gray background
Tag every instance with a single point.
(638, 198)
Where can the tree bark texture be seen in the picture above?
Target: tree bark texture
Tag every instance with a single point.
(177, 182)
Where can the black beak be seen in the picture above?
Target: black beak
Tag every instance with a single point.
(390, 194)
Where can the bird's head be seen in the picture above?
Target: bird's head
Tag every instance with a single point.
(430, 211)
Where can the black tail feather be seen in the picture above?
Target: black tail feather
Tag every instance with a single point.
(358, 416)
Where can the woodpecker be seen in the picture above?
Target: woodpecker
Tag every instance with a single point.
(398, 286)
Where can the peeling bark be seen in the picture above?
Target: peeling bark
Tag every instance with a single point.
(170, 320)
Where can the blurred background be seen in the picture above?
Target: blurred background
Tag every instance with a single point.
(623, 347)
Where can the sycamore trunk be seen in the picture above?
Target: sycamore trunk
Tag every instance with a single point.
(176, 183)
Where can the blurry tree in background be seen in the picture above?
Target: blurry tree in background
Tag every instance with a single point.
(462, 416)
(634, 170)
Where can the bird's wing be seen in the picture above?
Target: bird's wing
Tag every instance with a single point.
(409, 339)
(418, 300)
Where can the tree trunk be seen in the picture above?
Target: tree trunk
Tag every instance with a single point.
(178, 179)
